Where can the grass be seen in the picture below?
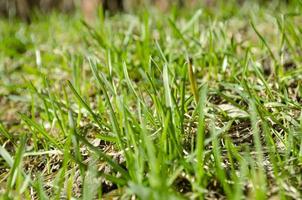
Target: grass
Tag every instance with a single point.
(150, 105)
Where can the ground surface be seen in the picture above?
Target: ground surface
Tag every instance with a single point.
(199, 103)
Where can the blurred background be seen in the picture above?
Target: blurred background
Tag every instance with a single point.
(24, 9)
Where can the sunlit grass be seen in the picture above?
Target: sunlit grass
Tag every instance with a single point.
(202, 103)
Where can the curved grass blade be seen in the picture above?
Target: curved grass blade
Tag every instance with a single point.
(41, 130)
(106, 158)
(83, 103)
(192, 79)
(113, 118)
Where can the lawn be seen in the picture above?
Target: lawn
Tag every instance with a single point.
(194, 103)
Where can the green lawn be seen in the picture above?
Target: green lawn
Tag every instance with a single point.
(200, 103)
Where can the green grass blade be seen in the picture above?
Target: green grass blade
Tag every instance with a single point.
(41, 130)
(84, 104)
